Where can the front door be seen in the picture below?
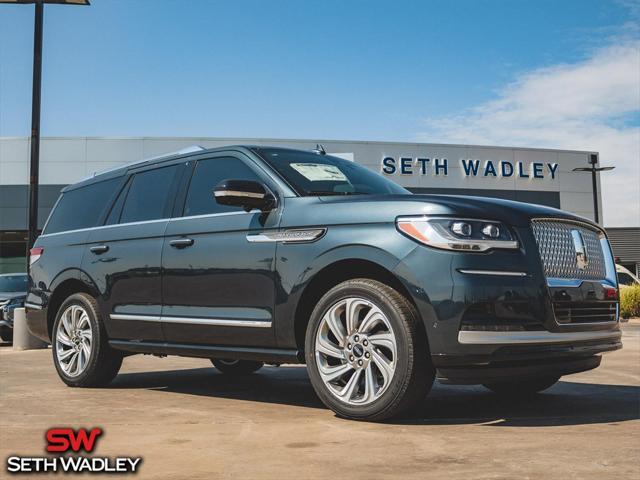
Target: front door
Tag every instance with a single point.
(218, 288)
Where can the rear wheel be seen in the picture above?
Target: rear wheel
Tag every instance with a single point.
(81, 352)
(236, 367)
(522, 388)
(366, 351)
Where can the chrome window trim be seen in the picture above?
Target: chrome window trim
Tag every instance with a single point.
(493, 272)
(469, 337)
(223, 322)
(206, 215)
(100, 227)
(171, 219)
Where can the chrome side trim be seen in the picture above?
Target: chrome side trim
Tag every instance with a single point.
(194, 321)
(493, 272)
(33, 306)
(126, 316)
(503, 338)
(218, 321)
(288, 236)
(237, 193)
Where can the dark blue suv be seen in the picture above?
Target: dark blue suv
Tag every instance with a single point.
(247, 255)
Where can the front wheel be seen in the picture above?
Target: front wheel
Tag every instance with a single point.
(81, 352)
(236, 367)
(366, 351)
(522, 388)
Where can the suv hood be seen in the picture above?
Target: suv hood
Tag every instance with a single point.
(385, 208)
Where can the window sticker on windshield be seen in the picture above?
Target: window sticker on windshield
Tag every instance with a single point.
(317, 172)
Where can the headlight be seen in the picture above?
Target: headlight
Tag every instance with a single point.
(458, 233)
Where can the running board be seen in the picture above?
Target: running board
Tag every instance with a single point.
(268, 355)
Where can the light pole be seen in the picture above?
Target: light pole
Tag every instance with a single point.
(34, 162)
(593, 161)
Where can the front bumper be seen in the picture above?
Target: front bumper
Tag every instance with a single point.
(570, 353)
(494, 315)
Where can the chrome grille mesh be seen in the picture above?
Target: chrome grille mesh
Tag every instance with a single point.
(558, 253)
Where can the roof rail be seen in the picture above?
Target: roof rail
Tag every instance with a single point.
(182, 151)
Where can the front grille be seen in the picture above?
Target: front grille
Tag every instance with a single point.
(584, 312)
(558, 253)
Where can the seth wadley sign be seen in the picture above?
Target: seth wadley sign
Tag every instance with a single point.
(469, 168)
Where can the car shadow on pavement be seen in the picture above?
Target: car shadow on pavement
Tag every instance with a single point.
(566, 403)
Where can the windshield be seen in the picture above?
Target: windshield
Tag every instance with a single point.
(312, 174)
(13, 283)
(625, 279)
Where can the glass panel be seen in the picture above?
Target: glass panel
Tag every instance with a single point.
(208, 173)
(83, 207)
(148, 195)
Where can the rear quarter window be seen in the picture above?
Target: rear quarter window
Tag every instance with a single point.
(82, 207)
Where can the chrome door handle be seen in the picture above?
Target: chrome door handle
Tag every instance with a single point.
(181, 242)
(99, 249)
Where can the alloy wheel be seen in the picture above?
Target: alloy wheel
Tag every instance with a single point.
(73, 340)
(355, 349)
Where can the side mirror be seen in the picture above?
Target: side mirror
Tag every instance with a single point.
(244, 193)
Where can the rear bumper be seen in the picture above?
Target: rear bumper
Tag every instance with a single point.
(518, 360)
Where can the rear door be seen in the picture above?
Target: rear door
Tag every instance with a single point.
(218, 288)
(124, 256)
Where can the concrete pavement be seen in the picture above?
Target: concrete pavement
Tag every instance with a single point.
(190, 422)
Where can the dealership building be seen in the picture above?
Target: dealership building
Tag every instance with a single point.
(540, 176)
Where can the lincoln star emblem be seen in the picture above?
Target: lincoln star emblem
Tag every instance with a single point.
(582, 260)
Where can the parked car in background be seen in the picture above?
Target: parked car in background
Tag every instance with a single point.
(625, 277)
(13, 291)
(252, 255)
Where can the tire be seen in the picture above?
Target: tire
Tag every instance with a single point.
(78, 329)
(6, 334)
(522, 388)
(236, 367)
(392, 371)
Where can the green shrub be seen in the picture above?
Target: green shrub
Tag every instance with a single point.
(630, 301)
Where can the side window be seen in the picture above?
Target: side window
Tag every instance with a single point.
(207, 174)
(82, 207)
(149, 195)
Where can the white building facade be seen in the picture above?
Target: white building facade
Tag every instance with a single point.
(530, 175)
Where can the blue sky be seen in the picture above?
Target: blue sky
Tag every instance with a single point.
(337, 69)
(383, 70)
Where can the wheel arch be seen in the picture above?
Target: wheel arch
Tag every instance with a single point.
(333, 274)
(62, 290)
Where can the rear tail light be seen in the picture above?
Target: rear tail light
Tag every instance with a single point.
(34, 254)
(611, 293)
